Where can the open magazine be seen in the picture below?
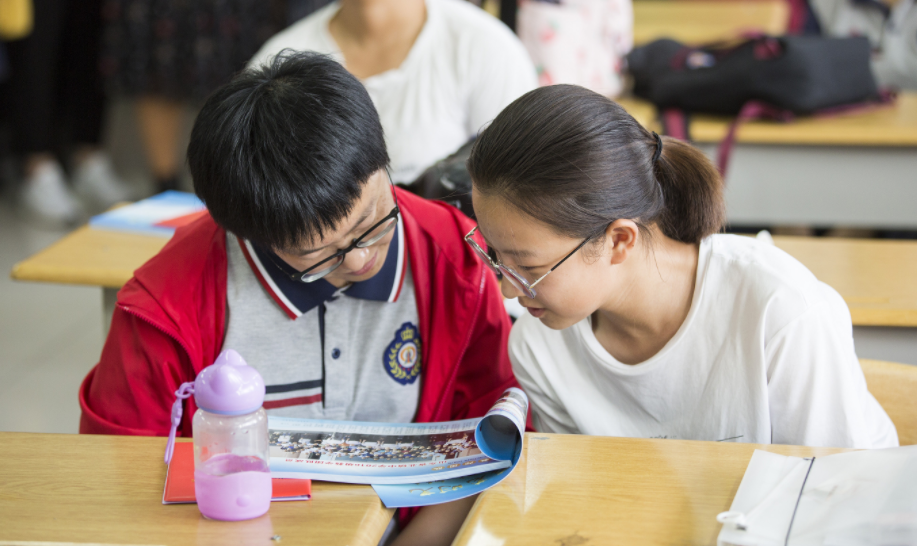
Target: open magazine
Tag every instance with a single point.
(408, 464)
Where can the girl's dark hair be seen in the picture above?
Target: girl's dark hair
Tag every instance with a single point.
(577, 161)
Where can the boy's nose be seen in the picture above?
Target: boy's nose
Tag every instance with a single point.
(356, 259)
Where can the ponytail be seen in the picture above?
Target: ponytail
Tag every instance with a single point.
(693, 192)
(577, 161)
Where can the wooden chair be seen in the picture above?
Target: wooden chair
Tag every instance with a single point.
(895, 387)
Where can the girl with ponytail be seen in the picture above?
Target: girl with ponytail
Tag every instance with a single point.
(643, 320)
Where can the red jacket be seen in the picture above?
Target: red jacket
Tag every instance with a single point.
(170, 320)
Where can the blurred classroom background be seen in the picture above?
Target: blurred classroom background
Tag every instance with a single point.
(98, 98)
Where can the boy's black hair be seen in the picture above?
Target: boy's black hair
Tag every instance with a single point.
(281, 153)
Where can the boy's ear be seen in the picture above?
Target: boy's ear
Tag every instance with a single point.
(620, 238)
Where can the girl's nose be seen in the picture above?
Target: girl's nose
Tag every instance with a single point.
(509, 290)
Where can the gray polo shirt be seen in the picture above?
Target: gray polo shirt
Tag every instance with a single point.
(326, 353)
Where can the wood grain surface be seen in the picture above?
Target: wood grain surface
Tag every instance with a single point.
(592, 491)
(894, 386)
(877, 278)
(108, 490)
(92, 257)
(703, 21)
(893, 125)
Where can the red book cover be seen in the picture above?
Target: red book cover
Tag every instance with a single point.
(180, 480)
(182, 220)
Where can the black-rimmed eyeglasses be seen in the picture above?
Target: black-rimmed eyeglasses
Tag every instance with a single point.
(372, 236)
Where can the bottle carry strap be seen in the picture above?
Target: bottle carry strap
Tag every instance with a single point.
(183, 392)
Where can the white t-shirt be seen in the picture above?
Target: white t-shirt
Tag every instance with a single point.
(765, 356)
(463, 69)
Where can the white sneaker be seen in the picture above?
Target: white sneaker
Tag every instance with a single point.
(47, 196)
(94, 180)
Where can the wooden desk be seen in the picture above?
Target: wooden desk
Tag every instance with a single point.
(91, 257)
(855, 169)
(704, 21)
(108, 489)
(877, 278)
(585, 490)
(892, 125)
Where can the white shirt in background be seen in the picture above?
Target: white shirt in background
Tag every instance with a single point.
(765, 356)
(891, 28)
(463, 69)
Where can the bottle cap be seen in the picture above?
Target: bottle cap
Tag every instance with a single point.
(229, 386)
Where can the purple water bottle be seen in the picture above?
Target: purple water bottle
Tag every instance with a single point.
(232, 480)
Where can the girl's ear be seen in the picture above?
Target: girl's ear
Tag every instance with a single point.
(620, 238)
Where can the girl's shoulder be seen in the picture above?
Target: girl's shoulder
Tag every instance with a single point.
(756, 264)
(763, 279)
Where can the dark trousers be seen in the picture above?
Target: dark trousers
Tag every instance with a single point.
(54, 94)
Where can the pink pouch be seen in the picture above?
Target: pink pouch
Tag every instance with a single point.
(581, 42)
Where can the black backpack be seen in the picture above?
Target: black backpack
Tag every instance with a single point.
(448, 180)
(801, 74)
(760, 77)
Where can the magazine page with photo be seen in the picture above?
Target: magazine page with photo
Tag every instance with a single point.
(356, 452)
(498, 435)
(403, 455)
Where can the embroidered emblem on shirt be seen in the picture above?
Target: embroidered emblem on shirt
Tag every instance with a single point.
(402, 357)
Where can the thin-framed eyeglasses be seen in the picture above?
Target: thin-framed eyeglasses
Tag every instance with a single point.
(372, 236)
(517, 280)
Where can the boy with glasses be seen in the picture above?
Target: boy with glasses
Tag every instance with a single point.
(354, 299)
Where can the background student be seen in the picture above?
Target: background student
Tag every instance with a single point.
(437, 70)
(170, 55)
(890, 25)
(643, 321)
(55, 104)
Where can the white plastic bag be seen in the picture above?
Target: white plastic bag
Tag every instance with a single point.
(848, 499)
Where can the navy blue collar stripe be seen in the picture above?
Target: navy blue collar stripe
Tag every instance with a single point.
(297, 298)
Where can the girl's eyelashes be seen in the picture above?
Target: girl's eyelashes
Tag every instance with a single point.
(493, 256)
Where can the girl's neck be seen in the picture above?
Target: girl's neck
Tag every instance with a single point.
(657, 288)
(376, 35)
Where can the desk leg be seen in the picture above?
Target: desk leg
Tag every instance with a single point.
(886, 343)
(109, 298)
